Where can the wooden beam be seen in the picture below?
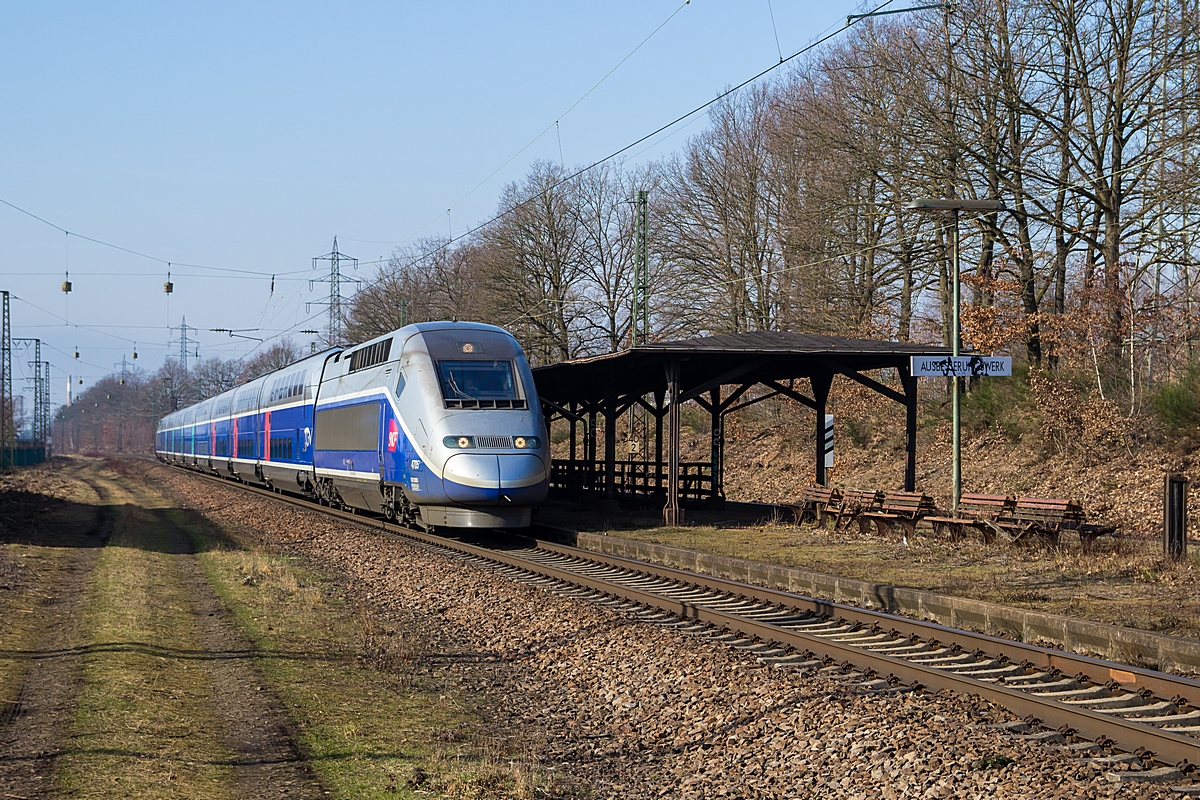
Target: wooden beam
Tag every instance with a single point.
(872, 384)
(740, 406)
(733, 397)
(737, 372)
(792, 393)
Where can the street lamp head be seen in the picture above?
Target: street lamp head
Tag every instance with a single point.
(953, 204)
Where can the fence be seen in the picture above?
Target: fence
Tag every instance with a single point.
(632, 478)
(23, 455)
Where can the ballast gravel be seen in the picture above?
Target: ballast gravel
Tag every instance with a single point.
(620, 708)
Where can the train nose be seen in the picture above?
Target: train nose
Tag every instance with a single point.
(477, 479)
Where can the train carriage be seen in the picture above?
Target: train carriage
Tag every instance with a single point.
(435, 424)
(286, 422)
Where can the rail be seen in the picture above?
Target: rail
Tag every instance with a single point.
(1133, 708)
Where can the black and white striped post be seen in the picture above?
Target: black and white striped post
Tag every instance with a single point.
(825, 436)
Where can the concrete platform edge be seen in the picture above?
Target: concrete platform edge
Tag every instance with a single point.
(1097, 639)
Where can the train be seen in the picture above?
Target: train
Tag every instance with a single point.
(434, 425)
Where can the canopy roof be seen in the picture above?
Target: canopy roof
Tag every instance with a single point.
(737, 358)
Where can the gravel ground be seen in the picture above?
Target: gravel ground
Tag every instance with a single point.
(614, 707)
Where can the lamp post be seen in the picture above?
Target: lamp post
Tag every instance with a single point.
(955, 205)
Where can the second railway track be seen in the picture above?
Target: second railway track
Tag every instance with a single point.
(1142, 712)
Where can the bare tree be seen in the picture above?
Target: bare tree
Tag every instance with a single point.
(214, 375)
(279, 355)
(534, 264)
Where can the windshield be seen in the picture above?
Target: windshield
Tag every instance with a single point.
(477, 380)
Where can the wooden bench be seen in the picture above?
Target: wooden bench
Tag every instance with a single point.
(817, 503)
(981, 512)
(855, 502)
(1048, 517)
(898, 508)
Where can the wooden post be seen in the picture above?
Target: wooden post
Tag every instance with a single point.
(610, 447)
(575, 412)
(672, 513)
(590, 450)
(658, 441)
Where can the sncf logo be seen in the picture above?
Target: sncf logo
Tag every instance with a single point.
(393, 436)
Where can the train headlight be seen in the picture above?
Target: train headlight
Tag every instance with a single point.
(527, 442)
(459, 442)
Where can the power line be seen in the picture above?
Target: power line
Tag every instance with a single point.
(584, 170)
(258, 276)
(545, 130)
(126, 249)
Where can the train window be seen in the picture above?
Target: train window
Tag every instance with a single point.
(281, 448)
(400, 384)
(245, 445)
(477, 380)
(348, 428)
(370, 355)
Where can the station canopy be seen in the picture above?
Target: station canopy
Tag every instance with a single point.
(736, 358)
(716, 372)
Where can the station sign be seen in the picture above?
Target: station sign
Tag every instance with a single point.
(961, 366)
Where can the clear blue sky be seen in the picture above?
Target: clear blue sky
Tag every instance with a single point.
(246, 135)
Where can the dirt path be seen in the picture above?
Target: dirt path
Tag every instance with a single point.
(267, 761)
(53, 725)
(35, 723)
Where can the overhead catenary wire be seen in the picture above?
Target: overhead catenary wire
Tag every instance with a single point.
(253, 274)
(829, 34)
(546, 130)
(123, 249)
(775, 30)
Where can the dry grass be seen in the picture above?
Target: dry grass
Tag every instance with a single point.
(143, 725)
(371, 719)
(31, 574)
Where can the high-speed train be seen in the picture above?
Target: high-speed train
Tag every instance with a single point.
(435, 424)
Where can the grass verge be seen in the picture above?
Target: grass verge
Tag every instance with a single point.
(143, 725)
(371, 721)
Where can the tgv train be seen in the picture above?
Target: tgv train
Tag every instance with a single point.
(435, 424)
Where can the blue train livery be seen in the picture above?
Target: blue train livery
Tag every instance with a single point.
(436, 424)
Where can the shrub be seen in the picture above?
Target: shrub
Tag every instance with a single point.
(859, 431)
(1177, 405)
(1002, 405)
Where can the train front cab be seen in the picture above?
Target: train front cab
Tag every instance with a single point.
(472, 450)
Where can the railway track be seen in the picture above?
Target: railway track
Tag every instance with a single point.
(1149, 716)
